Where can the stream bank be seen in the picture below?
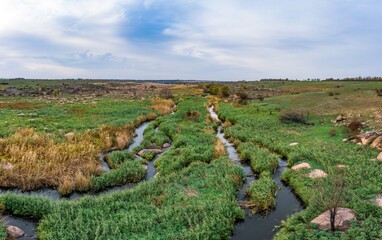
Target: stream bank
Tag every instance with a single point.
(259, 227)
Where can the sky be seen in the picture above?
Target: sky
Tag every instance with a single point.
(186, 39)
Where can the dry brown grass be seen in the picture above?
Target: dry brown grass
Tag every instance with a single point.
(19, 105)
(162, 106)
(40, 161)
(220, 150)
(76, 111)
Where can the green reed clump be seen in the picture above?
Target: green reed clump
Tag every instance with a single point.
(262, 193)
(30, 206)
(154, 138)
(259, 158)
(116, 158)
(127, 172)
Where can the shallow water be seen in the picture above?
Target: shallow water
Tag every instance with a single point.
(27, 225)
(257, 226)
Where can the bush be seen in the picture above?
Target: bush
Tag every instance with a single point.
(292, 116)
(192, 114)
(354, 127)
(332, 132)
(379, 92)
(165, 93)
(243, 98)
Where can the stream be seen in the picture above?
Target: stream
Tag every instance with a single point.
(260, 227)
(29, 225)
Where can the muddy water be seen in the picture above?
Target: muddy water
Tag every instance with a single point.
(259, 227)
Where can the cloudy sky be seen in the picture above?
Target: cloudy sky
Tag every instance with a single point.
(189, 39)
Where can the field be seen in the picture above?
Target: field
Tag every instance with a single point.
(51, 137)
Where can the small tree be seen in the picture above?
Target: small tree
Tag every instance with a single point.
(224, 91)
(331, 193)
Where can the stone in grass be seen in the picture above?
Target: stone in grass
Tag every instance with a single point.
(317, 173)
(343, 219)
(6, 166)
(69, 136)
(378, 201)
(300, 166)
(14, 232)
(341, 166)
(377, 143)
(144, 151)
(166, 145)
(293, 144)
(379, 158)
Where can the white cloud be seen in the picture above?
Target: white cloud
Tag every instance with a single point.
(215, 39)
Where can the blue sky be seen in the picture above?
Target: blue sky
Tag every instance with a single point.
(186, 39)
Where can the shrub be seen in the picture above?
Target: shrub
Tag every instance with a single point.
(332, 132)
(192, 114)
(354, 127)
(165, 93)
(379, 92)
(243, 98)
(292, 116)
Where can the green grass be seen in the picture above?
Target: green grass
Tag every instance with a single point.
(194, 196)
(260, 159)
(116, 158)
(198, 203)
(59, 119)
(262, 193)
(127, 172)
(257, 123)
(3, 231)
(191, 138)
(154, 139)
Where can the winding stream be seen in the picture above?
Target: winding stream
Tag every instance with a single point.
(260, 227)
(29, 225)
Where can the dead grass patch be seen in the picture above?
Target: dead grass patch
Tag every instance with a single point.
(220, 150)
(19, 105)
(40, 161)
(162, 106)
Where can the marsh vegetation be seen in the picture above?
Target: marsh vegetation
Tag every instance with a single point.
(53, 139)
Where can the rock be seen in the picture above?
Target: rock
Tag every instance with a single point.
(293, 144)
(341, 166)
(368, 137)
(166, 145)
(340, 118)
(69, 136)
(377, 143)
(345, 140)
(144, 151)
(14, 232)
(344, 216)
(300, 166)
(6, 166)
(317, 173)
(378, 200)
(379, 158)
